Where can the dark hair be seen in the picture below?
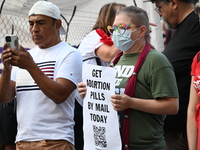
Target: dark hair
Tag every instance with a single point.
(138, 16)
(106, 16)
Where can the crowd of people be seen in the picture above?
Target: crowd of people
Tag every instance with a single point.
(159, 94)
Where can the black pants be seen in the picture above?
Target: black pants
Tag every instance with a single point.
(8, 123)
(78, 128)
(176, 140)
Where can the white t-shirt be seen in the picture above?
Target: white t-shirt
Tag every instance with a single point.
(39, 118)
(88, 45)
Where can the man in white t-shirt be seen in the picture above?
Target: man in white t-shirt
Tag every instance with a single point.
(43, 80)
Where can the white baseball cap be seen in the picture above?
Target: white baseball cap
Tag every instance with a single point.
(47, 9)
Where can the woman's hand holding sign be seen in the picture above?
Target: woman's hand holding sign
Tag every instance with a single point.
(121, 102)
(82, 89)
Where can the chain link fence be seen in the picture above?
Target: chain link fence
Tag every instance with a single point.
(79, 26)
(10, 24)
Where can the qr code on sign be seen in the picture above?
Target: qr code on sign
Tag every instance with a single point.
(100, 136)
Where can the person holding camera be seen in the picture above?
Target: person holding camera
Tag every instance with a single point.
(43, 80)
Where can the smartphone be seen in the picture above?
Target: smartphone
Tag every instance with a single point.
(12, 41)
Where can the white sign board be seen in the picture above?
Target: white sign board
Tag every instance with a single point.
(100, 120)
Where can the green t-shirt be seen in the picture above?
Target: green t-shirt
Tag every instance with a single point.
(155, 79)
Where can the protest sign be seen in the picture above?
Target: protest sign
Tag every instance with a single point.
(100, 120)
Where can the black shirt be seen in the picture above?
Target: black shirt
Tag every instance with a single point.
(180, 51)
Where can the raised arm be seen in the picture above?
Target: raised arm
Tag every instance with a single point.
(58, 90)
(106, 52)
(7, 87)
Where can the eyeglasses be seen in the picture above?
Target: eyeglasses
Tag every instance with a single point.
(121, 29)
(159, 8)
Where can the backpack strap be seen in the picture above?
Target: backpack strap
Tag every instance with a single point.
(97, 60)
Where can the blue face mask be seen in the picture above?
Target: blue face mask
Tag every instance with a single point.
(124, 41)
